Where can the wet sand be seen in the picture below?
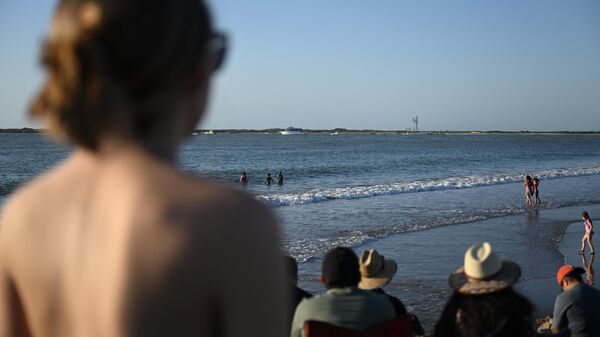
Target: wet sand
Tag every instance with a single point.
(543, 292)
(539, 240)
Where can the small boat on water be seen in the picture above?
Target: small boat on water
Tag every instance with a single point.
(292, 131)
(209, 132)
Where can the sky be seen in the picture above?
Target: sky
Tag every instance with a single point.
(357, 64)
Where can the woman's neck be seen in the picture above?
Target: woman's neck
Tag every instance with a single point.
(164, 150)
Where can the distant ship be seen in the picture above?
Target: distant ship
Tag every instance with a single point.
(209, 132)
(292, 131)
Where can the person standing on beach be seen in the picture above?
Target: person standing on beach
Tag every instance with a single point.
(577, 309)
(116, 241)
(280, 178)
(528, 184)
(589, 233)
(536, 190)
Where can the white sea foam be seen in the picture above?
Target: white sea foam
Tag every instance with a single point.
(356, 192)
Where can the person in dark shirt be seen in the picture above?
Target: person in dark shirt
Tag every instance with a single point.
(280, 178)
(375, 272)
(269, 179)
(577, 308)
(484, 302)
(296, 293)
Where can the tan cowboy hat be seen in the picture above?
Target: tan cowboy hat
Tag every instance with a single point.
(483, 272)
(375, 270)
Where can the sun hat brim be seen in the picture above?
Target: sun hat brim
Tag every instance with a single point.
(508, 275)
(380, 279)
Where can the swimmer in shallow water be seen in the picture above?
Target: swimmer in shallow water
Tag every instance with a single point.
(269, 179)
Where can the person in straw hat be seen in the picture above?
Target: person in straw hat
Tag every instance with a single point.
(483, 302)
(375, 272)
(344, 304)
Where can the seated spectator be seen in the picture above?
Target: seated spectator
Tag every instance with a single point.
(483, 302)
(375, 272)
(296, 293)
(577, 309)
(343, 304)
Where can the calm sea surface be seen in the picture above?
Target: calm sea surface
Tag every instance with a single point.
(376, 190)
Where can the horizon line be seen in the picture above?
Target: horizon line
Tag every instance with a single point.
(252, 130)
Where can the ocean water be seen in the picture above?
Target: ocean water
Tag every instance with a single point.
(419, 199)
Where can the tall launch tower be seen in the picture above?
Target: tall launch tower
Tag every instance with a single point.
(415, 121)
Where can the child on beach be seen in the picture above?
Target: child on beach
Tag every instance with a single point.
(536, 191)
(528, 190)
(589, 233)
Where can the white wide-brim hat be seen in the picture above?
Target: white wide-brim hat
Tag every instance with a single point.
(375, 270)
(483, 272)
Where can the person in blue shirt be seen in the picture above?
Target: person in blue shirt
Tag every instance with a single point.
(577, 309)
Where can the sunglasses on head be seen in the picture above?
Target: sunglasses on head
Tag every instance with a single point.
(217, 48)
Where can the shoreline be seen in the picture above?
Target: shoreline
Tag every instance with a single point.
(544, 293)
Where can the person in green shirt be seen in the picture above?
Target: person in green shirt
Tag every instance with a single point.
(343, 304)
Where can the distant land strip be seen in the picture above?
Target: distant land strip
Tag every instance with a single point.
(361, 131)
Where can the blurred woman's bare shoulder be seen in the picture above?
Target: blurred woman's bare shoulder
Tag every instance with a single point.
(39, 194)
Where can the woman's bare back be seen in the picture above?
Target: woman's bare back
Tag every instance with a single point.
(122, 245)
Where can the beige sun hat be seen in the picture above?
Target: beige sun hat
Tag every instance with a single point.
(483, 272)
(375, 270)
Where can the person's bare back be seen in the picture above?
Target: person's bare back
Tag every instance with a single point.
(116, 242)
(129, 247)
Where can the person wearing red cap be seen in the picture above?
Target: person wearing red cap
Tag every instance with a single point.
(577, 309)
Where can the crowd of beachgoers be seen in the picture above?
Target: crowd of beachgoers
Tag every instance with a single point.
(483, 302)
(116, 241)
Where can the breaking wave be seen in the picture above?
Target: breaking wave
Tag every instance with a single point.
(450, 183)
